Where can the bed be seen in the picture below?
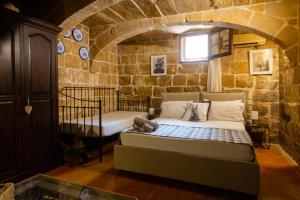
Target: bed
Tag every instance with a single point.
(98, 112)
(231, 166)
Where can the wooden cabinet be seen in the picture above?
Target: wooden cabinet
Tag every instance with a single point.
(28, 76)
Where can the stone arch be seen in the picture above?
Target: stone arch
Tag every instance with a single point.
(274, 28)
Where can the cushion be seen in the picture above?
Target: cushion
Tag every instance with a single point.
(226, 111)
(223, 96)
(196, 112)
(173, 109)
(181, 96)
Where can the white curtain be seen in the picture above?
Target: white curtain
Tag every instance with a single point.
(214, 79)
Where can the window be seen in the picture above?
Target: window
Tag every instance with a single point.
(194, 48)
(198, 47)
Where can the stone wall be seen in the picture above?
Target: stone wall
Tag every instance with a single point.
(290, 99)
(99, 70)
(134, 76)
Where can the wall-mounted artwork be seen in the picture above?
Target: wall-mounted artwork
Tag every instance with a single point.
(83, 53)
(261, 61)
(60, 47)
(77, 35)
(158, 65)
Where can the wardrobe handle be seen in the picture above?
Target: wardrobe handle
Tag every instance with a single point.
(28, 107)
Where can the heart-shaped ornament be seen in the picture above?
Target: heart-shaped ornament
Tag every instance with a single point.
(28, 109)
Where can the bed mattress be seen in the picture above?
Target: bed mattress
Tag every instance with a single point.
(206, 148)
(112, 122)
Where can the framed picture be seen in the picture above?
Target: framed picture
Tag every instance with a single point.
(158, 65)
(261, 61)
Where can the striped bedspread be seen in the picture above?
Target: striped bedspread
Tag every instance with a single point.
(202, 133)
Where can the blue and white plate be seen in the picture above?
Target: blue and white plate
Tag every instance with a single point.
(84, 53)
(60, 47)
(67, 34)
(77, 35)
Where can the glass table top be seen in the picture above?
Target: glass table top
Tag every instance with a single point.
(41, 187)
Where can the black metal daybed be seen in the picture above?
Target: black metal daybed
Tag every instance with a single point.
(98, 111)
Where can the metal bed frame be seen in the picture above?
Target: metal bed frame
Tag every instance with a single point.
(83, 102)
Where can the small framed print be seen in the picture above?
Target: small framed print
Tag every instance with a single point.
(158, 65)
(261, 61)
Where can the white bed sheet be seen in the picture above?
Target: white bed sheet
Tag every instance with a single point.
(204, 148)
(112, 122)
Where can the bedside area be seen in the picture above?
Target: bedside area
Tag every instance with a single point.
(260, 134)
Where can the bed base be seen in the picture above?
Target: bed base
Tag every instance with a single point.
(240, 176)
(84, 102)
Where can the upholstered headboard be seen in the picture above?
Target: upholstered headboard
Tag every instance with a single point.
(181, 96)
(224, 96)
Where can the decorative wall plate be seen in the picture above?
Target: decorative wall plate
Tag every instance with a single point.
(67, 34)
(83, 53)
(77, 35)
(60, 47)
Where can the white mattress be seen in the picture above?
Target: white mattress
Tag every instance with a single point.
(204, 148)
(112, 122)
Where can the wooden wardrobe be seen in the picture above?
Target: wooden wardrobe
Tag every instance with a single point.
(28, 77)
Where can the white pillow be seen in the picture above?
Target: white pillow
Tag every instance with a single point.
(226, 111)
(202, 109)
(173, 109)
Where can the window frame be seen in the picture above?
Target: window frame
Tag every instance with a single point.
(181, 46)
(209, 33)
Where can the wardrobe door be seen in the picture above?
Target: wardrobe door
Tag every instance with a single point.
(39, 82)
(9, 101)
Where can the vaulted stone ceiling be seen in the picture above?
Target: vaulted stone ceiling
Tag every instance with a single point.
(126, 10)
(113, 11)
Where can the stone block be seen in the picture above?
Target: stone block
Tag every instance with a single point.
(104, 67)
(240, 68)
(228, 81)
(192, 89)
(150, 80)
(171, 69)
(289, 35)
(137, 49)
(265, 23)
(244, 81)
(61, 60)
(282, 9)
(193, 79)
(172, 58)
(144, 59)
(143, 91)
(188, 68)
(138, 80)
(241, 54)
(127, 90)
(133, 59)
(174, 89)
(131, 69)
(157, 91)
(144, 69)
(72, 61)
(124, 59)
(266, 96)
(94, 67)
(270, 85)
(121, 69)
(165, 80)
(179, 80)
(124, 80)
(203, 79)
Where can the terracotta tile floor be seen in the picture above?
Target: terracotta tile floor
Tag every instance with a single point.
(279, 180)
